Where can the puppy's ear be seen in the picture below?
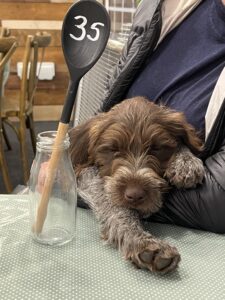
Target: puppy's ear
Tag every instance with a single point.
(82, 138)
(178, 126)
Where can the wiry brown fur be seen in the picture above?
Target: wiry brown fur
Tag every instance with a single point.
(139, 148)
(132, 146)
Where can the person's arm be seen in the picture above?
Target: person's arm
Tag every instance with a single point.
(202, 207)
(223, 2)
(142, 39)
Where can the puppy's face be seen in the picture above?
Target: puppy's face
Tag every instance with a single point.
(132, 145)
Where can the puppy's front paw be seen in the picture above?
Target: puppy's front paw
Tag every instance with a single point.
(156, 256)
(185, 171)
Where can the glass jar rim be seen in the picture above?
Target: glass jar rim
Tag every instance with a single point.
(46, 140)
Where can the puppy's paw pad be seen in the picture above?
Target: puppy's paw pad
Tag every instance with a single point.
(157, 257)
(163, 263)
(167, 260)
(146, 257)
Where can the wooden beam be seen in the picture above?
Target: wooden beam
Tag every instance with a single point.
(52, 54)
(48, 97)
(39, 1)
(60, 81)
(33, 11)
(47, 113)
(42, 98)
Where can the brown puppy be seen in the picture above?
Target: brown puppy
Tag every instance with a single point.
(133, 146)
(139, 149)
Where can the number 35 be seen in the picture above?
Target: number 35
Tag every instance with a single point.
(83, 30)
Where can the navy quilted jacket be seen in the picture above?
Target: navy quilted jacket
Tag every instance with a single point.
(205, 205)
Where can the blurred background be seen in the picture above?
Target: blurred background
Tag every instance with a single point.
(23, 18)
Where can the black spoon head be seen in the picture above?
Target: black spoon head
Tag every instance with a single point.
(85, 33)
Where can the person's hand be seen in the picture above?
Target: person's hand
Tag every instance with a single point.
(223, 2)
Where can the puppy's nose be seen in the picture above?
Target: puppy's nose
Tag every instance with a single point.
(134, 193)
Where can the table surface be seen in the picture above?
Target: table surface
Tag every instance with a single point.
(88, 269)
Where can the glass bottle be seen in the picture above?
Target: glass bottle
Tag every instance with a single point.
(59, 223)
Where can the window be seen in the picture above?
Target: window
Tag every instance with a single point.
(121, 13)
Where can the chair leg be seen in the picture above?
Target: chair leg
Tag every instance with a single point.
(23, 150)
(30, 123)
(6, 138)
(5, 172)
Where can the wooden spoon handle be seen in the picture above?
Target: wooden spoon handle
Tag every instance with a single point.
(51, 172)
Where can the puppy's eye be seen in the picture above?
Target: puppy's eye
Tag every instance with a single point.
(161, 152)
(116, 154)
(153, 149)
(112, 150)
(107, 149)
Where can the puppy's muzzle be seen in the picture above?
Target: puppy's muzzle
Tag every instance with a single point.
(139, 189)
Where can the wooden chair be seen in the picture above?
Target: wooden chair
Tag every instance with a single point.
(4, 32)
(20, 105)
(7, 48)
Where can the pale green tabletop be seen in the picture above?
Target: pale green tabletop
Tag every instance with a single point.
(88, 269)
